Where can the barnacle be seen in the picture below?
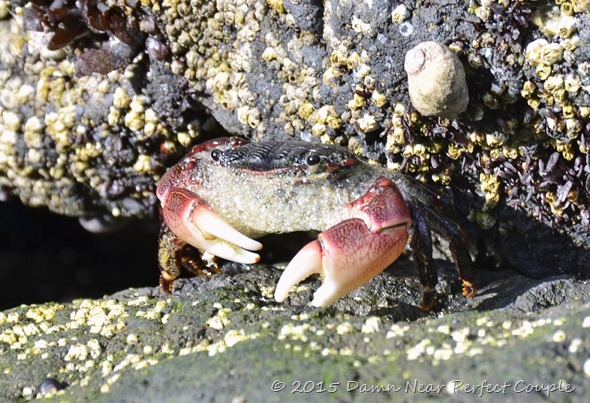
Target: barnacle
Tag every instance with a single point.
(362, 27)
(551, 53)
(533, 51)
(554, 83)
(555, 21)
(490, 186)
(318, 129)
(367, 123)
(277, 5)
(378, 98)
(406, 29)
(400, 13)
(580, 6)
(357, 102)
(496, 139)
(436, 80)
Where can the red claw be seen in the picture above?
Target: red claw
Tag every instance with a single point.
(351, 253)
(190, 218)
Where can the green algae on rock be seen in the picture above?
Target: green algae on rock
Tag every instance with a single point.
(154, 347)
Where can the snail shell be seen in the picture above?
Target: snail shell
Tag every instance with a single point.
(436, 80)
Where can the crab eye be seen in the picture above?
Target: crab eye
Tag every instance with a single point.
(215, 154)
(313, 160)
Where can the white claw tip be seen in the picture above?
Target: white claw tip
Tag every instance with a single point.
(307, 262)
(326, 295)
(281, 296)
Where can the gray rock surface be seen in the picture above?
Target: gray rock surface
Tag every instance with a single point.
(225, 339)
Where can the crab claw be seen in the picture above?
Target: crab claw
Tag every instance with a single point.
(192, 219)
(351, 253)
(348, 255)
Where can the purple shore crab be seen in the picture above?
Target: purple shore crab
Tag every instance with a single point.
(227, 191)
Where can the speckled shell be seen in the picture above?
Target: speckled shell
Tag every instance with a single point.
(436, 80)
(259, 201)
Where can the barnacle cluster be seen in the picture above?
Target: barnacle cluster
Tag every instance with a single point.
(556, 172)
(74, 138)
(523, 138)
(271, 75)
(328, 71)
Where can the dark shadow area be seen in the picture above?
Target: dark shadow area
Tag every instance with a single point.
(46, 257)
(538, 251)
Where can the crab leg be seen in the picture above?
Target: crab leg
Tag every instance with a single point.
(193, 220)
(351, 253)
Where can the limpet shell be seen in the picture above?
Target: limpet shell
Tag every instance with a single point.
(436, 80)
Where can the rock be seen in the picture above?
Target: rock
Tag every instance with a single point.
(95, 145)
(225, 339)
(307, 14)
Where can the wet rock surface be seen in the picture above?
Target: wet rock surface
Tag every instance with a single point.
(225, 338)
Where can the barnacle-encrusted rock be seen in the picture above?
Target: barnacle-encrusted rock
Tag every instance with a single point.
(87, 143)
(88, 132)
(436, 80)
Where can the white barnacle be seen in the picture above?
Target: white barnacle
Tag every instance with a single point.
(400, 13)
(551, 53)
(406, 29)
(436, 80)
(533, 51)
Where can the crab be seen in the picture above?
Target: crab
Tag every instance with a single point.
(228, 191)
